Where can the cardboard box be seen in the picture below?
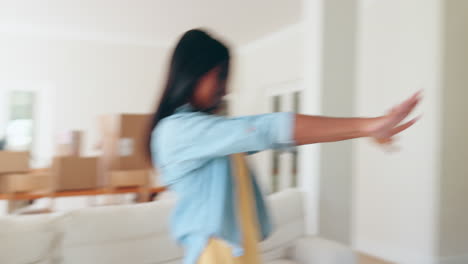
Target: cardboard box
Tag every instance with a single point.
(69, 143)
(124, 143)
(130, 178)
(75, 173)
(14, 161)
(29, 182)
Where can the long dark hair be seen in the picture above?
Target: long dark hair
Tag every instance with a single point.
(195, 54)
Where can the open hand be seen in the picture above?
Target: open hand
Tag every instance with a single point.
(384, 128)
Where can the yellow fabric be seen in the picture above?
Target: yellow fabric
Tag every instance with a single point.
(217, 251)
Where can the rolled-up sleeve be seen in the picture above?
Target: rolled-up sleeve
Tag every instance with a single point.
(203, 136)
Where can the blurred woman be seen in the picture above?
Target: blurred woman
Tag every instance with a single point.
(194, 148)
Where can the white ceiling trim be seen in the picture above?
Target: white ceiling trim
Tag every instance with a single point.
(108, 38)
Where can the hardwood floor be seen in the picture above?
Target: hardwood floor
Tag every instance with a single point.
(364, 259)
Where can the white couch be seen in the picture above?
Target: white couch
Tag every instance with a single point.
(138, 234)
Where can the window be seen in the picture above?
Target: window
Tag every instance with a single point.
(295, 161)
(276, 153)
(284, 164)
(19, 124)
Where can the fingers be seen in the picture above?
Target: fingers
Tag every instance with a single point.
(388, 143)
(400, 112)
(416, 97)
(404, 126)
(408, 106)
(392, 126)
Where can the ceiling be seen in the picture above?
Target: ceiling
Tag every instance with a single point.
(148, 22)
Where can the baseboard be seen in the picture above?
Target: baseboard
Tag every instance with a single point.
(394, 254)
(404, 256)
(460, 259)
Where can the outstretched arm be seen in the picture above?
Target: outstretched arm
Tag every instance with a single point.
(317, 129)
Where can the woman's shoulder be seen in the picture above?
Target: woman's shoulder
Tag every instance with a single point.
(174, 133)
(187, 121)
(166, 135)
(176, 120)
(176, 125)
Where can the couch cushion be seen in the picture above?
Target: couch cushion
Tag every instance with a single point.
(288, 218)
(29, 239)
(149, 250)
(281, 240)
(109, 223)
(286, 206)
(120, 234)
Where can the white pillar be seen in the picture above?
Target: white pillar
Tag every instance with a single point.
(395, 196)
(309, 156)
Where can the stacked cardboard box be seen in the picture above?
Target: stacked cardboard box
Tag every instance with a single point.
(69, 170)
(27, 182)
(69, 143)
(15, 176)
(75, 173)
(13, 162)
(128, 178)
(124, 161)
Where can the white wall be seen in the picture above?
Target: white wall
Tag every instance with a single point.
(453, 213)
(89, 77)
(395, 195)
(265, 63)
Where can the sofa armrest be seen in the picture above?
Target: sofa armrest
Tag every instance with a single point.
(315, 250)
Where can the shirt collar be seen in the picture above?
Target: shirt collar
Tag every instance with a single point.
(185, 108)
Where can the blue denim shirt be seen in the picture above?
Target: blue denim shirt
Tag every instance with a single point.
(191, 150)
